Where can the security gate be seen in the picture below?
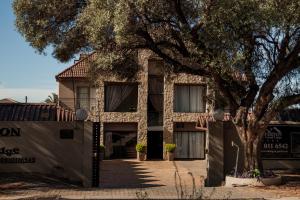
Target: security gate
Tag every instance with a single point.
(96, 154)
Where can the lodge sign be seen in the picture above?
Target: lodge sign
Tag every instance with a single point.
(10, 132)
(281, 142)
(8, 156)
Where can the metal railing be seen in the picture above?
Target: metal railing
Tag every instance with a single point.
(90, 104)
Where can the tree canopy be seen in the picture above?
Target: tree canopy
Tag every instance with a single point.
(249, 48)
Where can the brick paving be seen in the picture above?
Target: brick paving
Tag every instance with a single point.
(150, 174)
(152, 180)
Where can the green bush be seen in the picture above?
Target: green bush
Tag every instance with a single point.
(102, 148)
(141, 148)
(170, 147)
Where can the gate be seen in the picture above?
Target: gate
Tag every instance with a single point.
(96, 154)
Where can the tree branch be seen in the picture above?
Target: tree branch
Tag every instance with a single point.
(280, 104)
(281, 69)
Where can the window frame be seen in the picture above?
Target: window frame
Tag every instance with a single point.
(204, 94)
(134, 84)
(78, 99)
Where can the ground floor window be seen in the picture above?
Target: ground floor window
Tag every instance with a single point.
(189, 145)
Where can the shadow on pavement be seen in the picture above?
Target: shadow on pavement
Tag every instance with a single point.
(125, 174)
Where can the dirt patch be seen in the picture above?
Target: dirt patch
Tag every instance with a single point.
(23, 181)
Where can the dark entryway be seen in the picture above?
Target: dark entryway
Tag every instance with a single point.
(120, 140)
(120, 144)
(155, 145)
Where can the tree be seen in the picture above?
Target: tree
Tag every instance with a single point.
(248, 48)
(53, 98)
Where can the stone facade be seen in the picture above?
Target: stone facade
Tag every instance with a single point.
(150, 64)
(171, 117)
(140, 117)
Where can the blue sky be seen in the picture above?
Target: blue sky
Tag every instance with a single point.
(23, 72)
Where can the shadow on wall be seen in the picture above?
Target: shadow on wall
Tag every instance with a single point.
(41, 141)
(230, 134)
(125, 174)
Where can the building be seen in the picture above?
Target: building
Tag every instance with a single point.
(154, 108)
(34, 112)
(8, 100)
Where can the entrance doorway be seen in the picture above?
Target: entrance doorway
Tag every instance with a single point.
(120, 140)
(155, 145)
(120, 144)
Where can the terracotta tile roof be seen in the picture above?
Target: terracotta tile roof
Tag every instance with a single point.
(34, 112)
(78, 70)
(8, 100)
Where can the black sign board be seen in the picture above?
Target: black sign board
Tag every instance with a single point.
(281, 142)
(66, 134)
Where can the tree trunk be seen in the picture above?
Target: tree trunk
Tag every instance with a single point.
(252, 158)
(252, 141)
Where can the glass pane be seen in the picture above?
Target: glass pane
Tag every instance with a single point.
(83, 98)
(181, 98)
(196, 99)
(121, 98)
(189, 98)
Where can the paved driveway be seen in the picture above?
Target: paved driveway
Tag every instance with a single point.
(151, 174)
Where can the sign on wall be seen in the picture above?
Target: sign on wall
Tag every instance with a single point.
(10, 155)
(281, 142)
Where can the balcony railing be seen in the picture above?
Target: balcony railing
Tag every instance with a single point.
(90, 104)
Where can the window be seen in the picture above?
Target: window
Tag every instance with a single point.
(189, 145)
(189, 98)
(121, 97)
(155, 100)
(83, 98)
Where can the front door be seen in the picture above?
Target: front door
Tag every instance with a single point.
(155, 145)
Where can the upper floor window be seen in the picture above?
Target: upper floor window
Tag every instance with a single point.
(189, 98)
(121, 97)
(83, 97)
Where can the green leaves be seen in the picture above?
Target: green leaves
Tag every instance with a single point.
(224, 40)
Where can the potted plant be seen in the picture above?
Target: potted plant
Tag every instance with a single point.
(141, 151)
(101, 152)
(170, 148)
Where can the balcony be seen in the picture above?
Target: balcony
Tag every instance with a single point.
(89, 104)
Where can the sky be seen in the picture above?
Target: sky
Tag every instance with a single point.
(23, 71)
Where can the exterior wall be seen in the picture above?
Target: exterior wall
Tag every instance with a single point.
(40, 144)
(66, 93)
(170, 117)
(147, 60)
(140, 116)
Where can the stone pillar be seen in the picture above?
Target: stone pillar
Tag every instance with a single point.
(215, 173)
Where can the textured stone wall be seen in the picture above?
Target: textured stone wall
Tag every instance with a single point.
(170, 117)
(140, 117)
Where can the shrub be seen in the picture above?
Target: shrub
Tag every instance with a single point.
(102, 148)
(170, 147)
(141, 148)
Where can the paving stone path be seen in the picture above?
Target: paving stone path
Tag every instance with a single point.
(130, 179)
